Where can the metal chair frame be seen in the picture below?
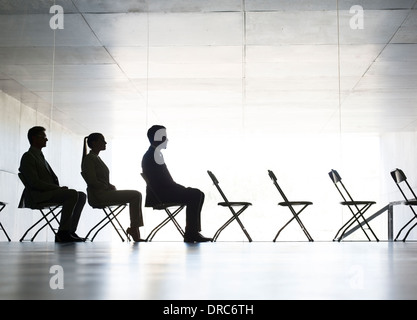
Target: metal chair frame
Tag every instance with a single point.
(290, 205)
(360, 208)
(2, 206)
(398, 176)
(166, 207)
(111, 212)
(51, 214)
(230, 205)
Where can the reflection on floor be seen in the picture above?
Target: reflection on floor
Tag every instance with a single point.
(221, 270)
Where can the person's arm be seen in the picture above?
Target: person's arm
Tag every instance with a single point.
(157, 174)
(89, 168)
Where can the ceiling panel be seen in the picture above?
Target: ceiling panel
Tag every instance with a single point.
(254, 65)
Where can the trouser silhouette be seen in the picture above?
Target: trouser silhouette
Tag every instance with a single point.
(73, 202)
(193, 199)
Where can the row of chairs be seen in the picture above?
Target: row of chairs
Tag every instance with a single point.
(358, 208)
(50, 212)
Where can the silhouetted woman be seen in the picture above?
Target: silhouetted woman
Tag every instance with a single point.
(99, 189)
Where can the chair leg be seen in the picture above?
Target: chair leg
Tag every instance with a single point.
(3, 205)
(346, 227)
(171, 217)
(234, 217)
(405, 226)
(48, 222)
(112, 216)
(4, 230)
(302, 224)
(109, 217)
(408, 232)
(299, 222)
(359, 214)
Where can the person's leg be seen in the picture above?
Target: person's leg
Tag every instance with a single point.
(134, 199)
(193, 199)
(77, 212)
(68, 198)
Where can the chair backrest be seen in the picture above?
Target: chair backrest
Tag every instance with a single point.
(216, 183)
(337, 180)
(146, 180)
(274, 180)
(149, 187)
(334, 175)
(22, 179)
(398, 176)
(22, 202)
(31, 204)
(83, 175)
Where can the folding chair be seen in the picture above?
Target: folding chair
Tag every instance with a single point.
(290, 205)
(399, 176)
(111, 212)
(2, 206)
(231, 206)
(164, 206)
(50, 213)
(357, 208)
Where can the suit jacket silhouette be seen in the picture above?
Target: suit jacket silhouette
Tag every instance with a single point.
(162, 187)
(40, 179)
(97, 176)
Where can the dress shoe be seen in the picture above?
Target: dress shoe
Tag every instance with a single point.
(194, 237)
(65, 236)
(76, 236)
(134, 233)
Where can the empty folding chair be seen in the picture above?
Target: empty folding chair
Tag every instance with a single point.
(291, 205)
(230, 205)
(400, 178)
(166, 207)
(2, 206)
(110, 216)
(357, 208)
(50, 213)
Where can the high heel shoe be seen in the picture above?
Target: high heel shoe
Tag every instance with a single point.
(134, 233)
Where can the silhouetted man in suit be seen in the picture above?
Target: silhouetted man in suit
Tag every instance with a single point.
(166, 189)
(43, 187)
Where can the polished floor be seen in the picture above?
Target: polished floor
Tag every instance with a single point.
(207, 271)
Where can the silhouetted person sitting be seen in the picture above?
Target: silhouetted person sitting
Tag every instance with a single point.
(166, 189)
(99, 189)
(44, 187)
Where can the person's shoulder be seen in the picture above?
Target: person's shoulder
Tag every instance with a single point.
(27, 155)
(148, 154)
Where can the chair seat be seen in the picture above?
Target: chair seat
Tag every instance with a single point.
(44, 205)
(294, 203)
(104, 206)
(352, 203)
(234, 204)
(163, 206)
